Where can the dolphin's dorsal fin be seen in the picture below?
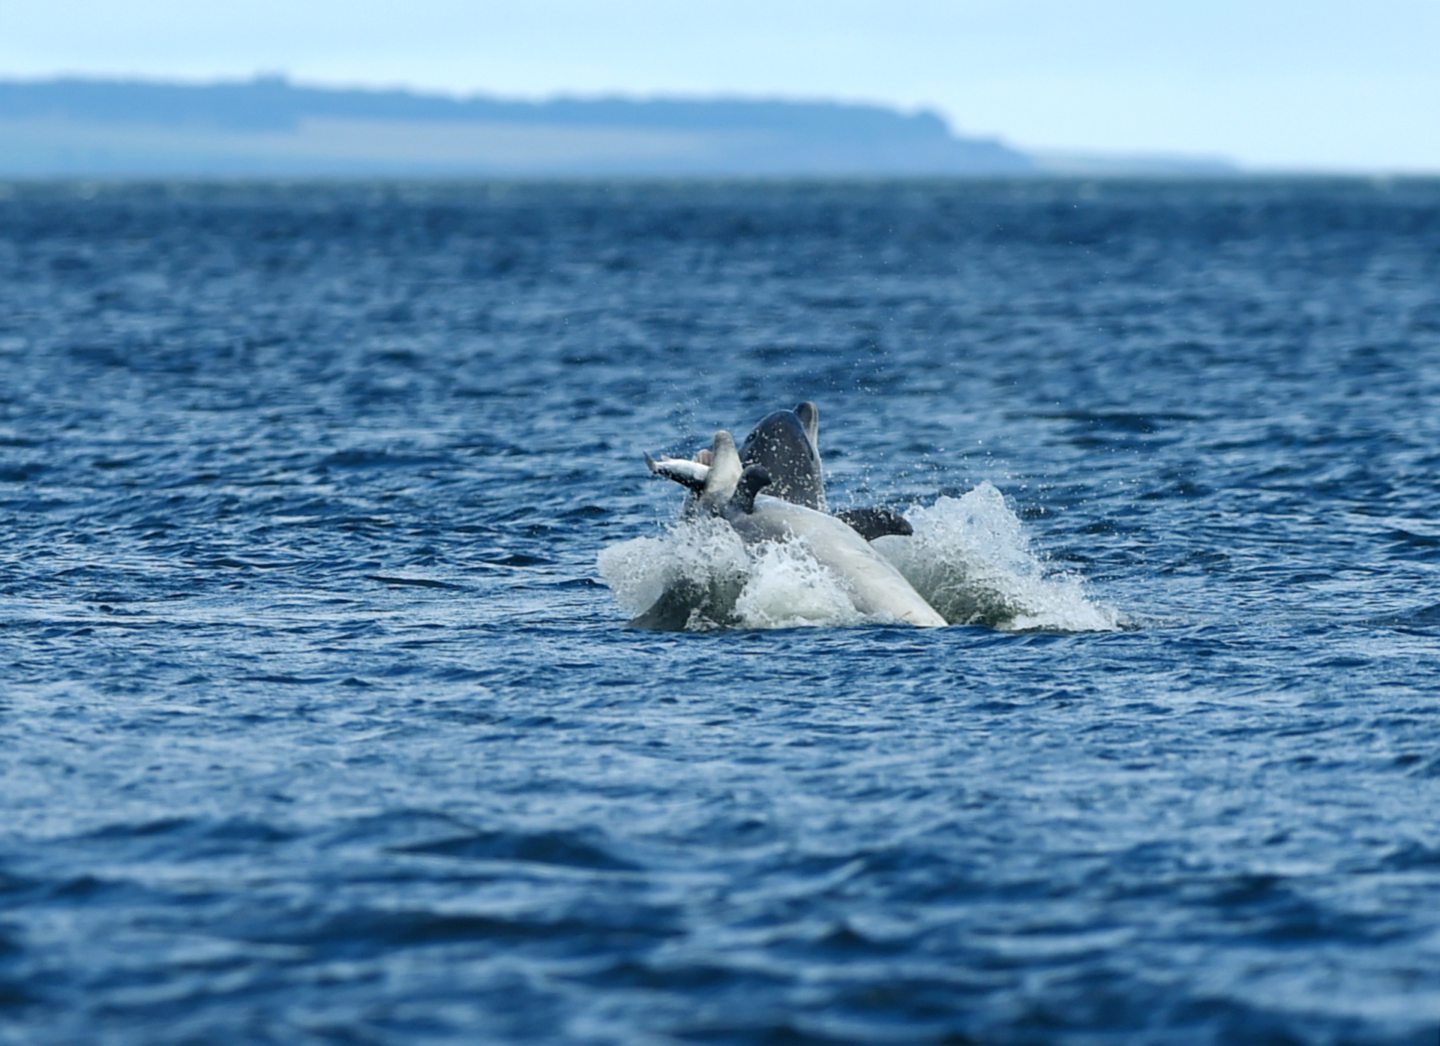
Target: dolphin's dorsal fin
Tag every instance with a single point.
(809, 416)
(752, 481)
(724, 469)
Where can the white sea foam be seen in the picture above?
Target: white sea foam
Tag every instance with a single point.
(969, 558)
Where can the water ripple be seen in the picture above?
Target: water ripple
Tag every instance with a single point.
(321, 724)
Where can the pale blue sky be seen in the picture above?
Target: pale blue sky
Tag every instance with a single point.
(1286, 84)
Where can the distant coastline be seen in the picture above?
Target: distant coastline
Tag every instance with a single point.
(271, 127)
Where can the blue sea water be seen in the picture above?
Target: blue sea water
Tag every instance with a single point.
(321, 506)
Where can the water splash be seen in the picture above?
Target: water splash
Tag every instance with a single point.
(788, 588)
(969, 558)
(688, 578)
(972, 561)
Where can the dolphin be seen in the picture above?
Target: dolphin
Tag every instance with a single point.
(730, 489)
(786, 443)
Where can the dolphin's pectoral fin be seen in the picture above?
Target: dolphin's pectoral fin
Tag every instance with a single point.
(872, 523)
(687, 473)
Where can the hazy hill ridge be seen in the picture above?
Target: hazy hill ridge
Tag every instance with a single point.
(271, 126)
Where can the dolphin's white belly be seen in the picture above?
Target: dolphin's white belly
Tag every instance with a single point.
(876, 586)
